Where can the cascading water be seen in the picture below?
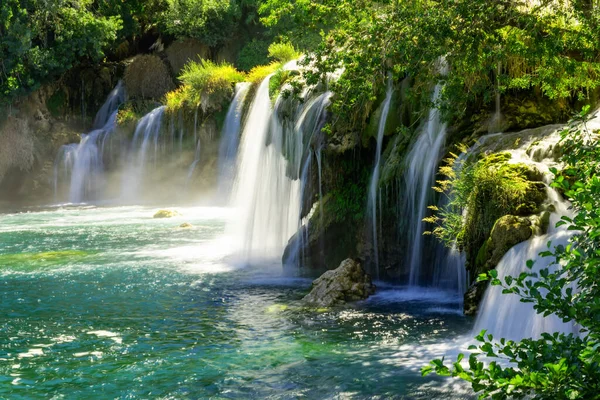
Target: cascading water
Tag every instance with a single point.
(87, 174)
(421, 168)
(374, 185)
(268, 185)
(115, 98)
(82, 163)
(143, 151)
(194, 164)
(230, 137)
(505, 316)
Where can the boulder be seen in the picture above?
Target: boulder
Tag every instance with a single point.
(507, 232)
(166, 214)
(348, 282)
(186, 225)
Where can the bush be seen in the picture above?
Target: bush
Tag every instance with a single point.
(258, 74)
(254, 53)
(488, 189)
(147, 77)
(283, 52)
(206, 78)
(204, 83)
(211, 22)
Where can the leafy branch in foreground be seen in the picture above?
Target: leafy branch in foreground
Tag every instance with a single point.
(555, 366)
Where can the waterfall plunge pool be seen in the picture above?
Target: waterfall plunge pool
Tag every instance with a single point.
(110, 303)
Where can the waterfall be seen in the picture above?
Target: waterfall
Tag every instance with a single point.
(421, 169)
(230, 137)
(374, 185)
(504, 315)
(143, 151)
(82, 163)
(193, 165)
(271, 162)
(115, 98)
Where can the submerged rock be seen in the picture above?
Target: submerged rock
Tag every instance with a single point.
(186, 225)
(348, 282)
(166, 214)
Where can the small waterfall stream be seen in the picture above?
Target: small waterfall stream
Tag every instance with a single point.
(143, 150)
(505, 316)
(82, 163)
(421, 169)
(115, 98)
(230, 138)
(374, 185)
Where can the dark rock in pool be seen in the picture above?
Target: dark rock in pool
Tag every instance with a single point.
(348, 282)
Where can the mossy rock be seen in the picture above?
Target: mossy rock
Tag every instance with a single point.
(183, 51)
(508, 231)
(147, 77)
(166, 214)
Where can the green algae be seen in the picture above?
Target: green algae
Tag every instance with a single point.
(42, 258)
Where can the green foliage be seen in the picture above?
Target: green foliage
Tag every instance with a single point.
(39, 40)
(259, 73)
(557, 366)
(489, 46)
(283, 52)
(279, 78)
(488, 189)
(210, 21)
(254, 53)
(202, 80)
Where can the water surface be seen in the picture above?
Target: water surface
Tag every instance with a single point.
(110, 303)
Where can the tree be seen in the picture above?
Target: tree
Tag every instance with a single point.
(41, 40)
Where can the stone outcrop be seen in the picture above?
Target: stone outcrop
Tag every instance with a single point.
(166, 214)
(348, 282)
(506, 233)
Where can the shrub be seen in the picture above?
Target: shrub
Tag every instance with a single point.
(283, 52)
(147, 77)
(253, 53)
(489, 189)
(258, 74)
(206, 78)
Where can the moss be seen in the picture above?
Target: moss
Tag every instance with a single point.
(508, 231)
(148, 77)
(494, 188)
(166, 214)
(45, 258)
(57, 103)
(279, 78)
(131, 111)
